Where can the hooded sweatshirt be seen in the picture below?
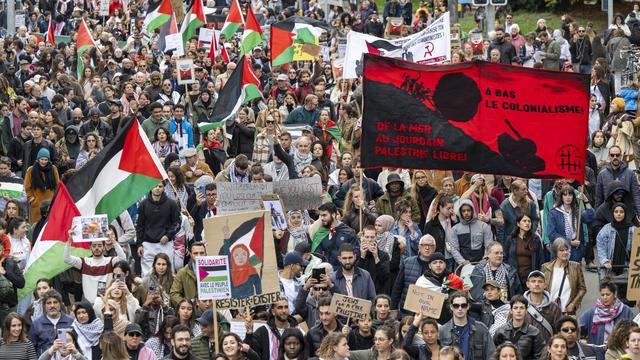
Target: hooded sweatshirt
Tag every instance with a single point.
(471, 237)
(549, 310)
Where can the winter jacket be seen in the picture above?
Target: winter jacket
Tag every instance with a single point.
(478, 279)
(186, 129)
(595, 332)
(302, 116)
(150, 126)
(29, 153)
(15, 276)
(556, 225)
(42, 332)
(552, 60)
(410, 270)
(547, 311)
(379, 272)
(241, 140)
(470, 237)
(415, 351)
(330, 247)
(481, 345)
(526, 338)
(623, 174)
(307, 307)
(157, 219)
(510, 214)
(575, 280)
(537, 253)
(384, 207)
(412, 240)
(549, 205)
(184, 285)
(507, 51)
(202, 112)
(352, 218)
(317, 333)
(604, 213)
(362, 285)
(261, 340)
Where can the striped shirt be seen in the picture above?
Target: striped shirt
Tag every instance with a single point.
(20, 350)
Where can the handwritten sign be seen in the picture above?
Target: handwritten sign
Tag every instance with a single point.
(213, 277)
(104, 8)
(421, 300)
(299, 194)
(350, 307)
(241, 197)
(174, 42)
(239, 328)
(248, 302)
(633, 284)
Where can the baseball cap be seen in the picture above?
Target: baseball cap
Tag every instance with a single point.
(282, 77)
(491, 283)
(133, 328)
(536, 273)
(294, 258)
(206, 318)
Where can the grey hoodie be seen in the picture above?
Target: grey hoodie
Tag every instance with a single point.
(549, 310)
(470, 237)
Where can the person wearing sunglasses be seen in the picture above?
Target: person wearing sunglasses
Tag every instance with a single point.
(133, 342)
(567, 327)
(471, 336)
(617, 170)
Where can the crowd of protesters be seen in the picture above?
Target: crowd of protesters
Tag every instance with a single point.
(522, 244)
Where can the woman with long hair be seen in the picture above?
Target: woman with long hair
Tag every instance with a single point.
(556, 349)
(12, 210)
(423, 193)
(64, 350)
(524, 248)
(440, 226)
(92, 142)
(186, 315)
(235, 349)
(160, 276)
(214, 144)
(516, 204)
(40, 183)
(428, 327)
(347, 120)
(163, 143)
(185, 196)
(160, 343)
(598, 322)
(338, 178)
(118, 293)
(85, 79)
(34, 310)
(384, 342)
(289, 103)
(353, 203)
(320, 160)
(599, 148)
(563, 220)
(89, 327)
(381, 311)
(617, 342)
(112, 347)
(272, 104)
(263, 145)
(20, 244)
(405, 227)
(15, 345)
(334, 346)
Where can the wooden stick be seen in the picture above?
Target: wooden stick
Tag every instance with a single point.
(580, 204)
(364, 199)
(215, 325)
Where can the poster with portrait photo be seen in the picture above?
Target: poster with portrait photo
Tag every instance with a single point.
(246, 238)
(186, 71)
(273, 205)
(90, 228)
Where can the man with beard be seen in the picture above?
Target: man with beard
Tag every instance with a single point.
(293, 265)
(338, 234)
(180, 344)
(507, 51)
(184, 283)
(617, 170)
(349, 279)
(438, 279)
(96, 268)
(266, 340)
(43, 332)
(328, 323)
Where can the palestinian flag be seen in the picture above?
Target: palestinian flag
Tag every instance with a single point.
(243, 86)
(12, 190)
(50, 33)
(83, 44)
(217, 49)
(294, 30)
(170, 28)
(233, 22)
(192, 21)
(123, 172)
(158, 16)
(252, 35)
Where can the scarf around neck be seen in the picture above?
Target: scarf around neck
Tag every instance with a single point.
(606, 316)
(300, 161)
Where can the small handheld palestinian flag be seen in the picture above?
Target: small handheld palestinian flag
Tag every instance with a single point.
(192, 21)
(158, 17)
(243, 86)
(294, 30)
(51, 33)
(233, 22)
(84, 43)
(217, 49)
(252, 35)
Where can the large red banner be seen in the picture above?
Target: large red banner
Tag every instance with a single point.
(475, 116)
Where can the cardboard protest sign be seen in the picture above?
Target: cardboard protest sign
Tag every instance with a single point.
(213, 277)
(186, 71)
(633, 284)
(298, 194)
(246, 239)
(350, 307)
(240, 197)
(204, 37)
(421, 300)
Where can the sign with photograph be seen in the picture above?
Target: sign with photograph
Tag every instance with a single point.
(90, 228)
(186, 71)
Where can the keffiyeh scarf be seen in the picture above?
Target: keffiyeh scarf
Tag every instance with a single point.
(605, 316)
(501, 275)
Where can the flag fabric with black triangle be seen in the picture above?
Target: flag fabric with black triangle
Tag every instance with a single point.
(169, 28)
(116, 178)
(243, 86)
(158, 17)
(252, 35)
(84, 43)
(294, 30)
(193, 20)
(233, 22)
(51, 33)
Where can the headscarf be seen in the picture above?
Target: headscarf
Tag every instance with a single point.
(619, 257)
(385, 240)
(240, 273)
(89, 333)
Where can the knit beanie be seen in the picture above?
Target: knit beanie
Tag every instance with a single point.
(619, 103)
(43, 152)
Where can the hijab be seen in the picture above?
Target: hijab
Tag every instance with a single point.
(240, 273)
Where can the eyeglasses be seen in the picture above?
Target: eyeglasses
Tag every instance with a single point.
(615, 155)
(460, 306)
(427, 245)
(134, 334)
(569, 330)
(270, 122)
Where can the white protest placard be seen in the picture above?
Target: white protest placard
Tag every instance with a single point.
(241, 197)
(350, 307)
(204, 37)
(421, 300)
(21, 20)
(104, 8)
(429, 46)
(90, 228)
(299, 194)
(238, 327)
(186, 71)
(212, 273)
(174, 43)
